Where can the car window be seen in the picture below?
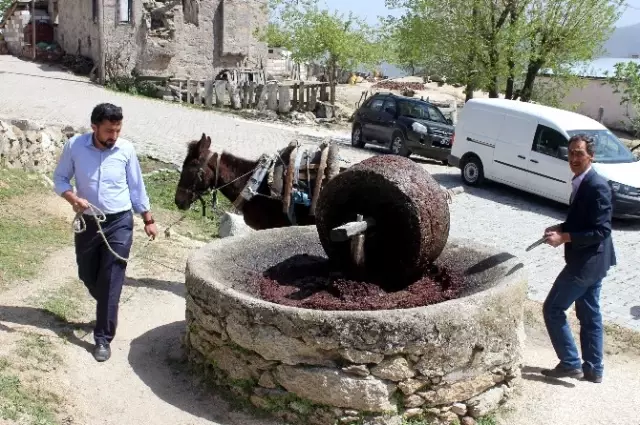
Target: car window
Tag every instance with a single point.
(389, 106)
(435, 115)
(609, 149)
(549, 141)
(376, 104)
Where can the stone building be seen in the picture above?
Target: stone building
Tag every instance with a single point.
(184, 38)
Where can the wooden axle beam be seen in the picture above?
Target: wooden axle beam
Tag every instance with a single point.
(351, 229)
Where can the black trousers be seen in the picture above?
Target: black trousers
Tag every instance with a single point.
(101, 272)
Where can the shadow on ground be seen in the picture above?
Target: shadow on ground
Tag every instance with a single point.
(43, 319)
(533, 374)
(176, 288)
(157, 358)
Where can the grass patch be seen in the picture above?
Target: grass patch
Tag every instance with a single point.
(26, 237)
(161, 188)
(38, 351)
(65, 303)
(25, 405)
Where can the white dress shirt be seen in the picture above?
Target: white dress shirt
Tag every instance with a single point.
(575, 183)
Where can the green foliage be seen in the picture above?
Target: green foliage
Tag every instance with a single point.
(24, 405)
(626, 81)
(316, 35)
(4, 5)
(502, 45)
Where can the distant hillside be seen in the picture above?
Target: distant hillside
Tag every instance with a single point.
(624, 42)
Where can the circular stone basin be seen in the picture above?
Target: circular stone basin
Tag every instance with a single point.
(440, 362)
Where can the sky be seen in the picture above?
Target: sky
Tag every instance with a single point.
(371, 9)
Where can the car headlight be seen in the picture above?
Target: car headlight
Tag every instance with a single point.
(419, 128)
(623, 189)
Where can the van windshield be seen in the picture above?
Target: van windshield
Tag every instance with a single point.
(609, 149)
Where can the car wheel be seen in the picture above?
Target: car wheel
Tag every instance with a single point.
(472, 171)
(399, 146)
(357, 140)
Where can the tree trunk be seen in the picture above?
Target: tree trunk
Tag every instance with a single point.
(332, 82)
(493, 64)
(508, 93)
(532, 72)
(469, 91)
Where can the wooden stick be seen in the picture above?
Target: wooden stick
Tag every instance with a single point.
(288, 182)
(319, 179)
(351, 229)
(357, 246)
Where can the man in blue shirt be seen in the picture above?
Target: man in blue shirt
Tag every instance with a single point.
(108, 175)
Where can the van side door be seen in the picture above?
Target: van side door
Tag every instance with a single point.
(512, 149)
(549, 166)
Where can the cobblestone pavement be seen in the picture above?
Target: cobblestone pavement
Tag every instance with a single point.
(494, 214)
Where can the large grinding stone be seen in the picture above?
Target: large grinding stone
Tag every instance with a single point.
(410, 210)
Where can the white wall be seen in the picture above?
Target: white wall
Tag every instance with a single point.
(595, 94)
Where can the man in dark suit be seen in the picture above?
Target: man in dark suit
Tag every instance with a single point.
(589, 253)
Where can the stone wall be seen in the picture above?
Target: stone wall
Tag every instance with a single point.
(77, 33)
(31, 147)
(446, 363)
(166, 38)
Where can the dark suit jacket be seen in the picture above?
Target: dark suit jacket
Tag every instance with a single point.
(590, 253)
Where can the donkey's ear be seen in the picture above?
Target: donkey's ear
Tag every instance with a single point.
(205, 143)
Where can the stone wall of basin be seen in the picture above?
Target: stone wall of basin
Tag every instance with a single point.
(451, 362)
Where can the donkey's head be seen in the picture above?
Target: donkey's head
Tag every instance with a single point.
(196, 177)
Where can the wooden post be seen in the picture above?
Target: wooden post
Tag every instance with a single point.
(33, 28)
(179, 91)
(208, 93)
(272, 96)
(600, 114)
(197, 100)
(313, 97)
(284, 100)
(323, 93)
(301, 98)
(294, 97)
(189, 90)
(454, 111)
(220, 87)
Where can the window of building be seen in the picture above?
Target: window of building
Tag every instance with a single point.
(94, 10)
(125, 10)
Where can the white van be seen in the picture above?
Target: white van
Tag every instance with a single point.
(524, 145)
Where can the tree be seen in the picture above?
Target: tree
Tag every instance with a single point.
(450, 36)
(564, 33)
(492, 44)
(316, 35)
(4, 5)
(626, 81)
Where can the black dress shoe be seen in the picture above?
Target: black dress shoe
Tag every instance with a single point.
(562, 372)
(102, 352)
(592, 377)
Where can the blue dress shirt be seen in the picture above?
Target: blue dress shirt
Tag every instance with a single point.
(110, 179)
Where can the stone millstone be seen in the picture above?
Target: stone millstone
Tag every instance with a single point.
(410, 211)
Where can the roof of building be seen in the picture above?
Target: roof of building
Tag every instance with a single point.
(560, 117)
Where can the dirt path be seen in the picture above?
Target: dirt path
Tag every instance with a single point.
(145, 381)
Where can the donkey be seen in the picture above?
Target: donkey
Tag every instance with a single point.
(205, 170)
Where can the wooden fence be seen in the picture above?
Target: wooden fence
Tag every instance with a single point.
(261, 95)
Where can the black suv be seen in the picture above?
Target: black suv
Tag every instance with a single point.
(404, 125)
